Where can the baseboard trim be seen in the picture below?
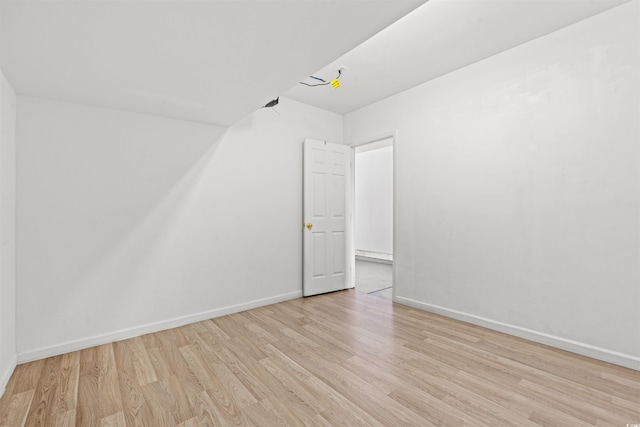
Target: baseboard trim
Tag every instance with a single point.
(376, 260)
(621, 359)
(6, 375)
(378, 256)
(41, 353)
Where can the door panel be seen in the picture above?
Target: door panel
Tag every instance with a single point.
(319, 195)
(319, 269)
(324, 242)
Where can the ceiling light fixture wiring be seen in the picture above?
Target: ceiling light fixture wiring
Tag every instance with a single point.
(335, 82)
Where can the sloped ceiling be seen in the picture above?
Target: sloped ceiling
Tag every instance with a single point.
(437, 38)
(208, 61)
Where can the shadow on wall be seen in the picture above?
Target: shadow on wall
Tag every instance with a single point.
(129, 221)
(135, 262)
(100, 192)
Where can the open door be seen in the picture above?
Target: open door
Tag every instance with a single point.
(325, 220)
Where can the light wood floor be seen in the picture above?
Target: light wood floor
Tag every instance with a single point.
(339, 359)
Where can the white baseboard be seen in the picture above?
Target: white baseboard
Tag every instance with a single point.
(626, 360)
(6, 375)
(123, 334)
(376, 260)
(374, 256)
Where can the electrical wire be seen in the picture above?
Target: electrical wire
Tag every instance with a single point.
(319, 84)
(322, 80)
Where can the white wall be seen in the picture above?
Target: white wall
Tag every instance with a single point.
(374, 199)
(518, 188)
(129, 223)
(7, 232)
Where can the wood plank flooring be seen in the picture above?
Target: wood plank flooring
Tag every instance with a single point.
(344, 358)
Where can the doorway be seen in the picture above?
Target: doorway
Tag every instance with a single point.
(373, 217)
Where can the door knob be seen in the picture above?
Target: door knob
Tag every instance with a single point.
(308, 225)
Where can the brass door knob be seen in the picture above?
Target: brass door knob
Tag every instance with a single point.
(308, 225)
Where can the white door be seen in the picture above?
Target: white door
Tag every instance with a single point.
(325, 201)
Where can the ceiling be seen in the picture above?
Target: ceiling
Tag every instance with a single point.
(211, 61)
(437, 38)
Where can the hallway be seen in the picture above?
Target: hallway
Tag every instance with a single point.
(374, 278)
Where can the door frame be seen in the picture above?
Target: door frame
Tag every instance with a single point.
(351, 193)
